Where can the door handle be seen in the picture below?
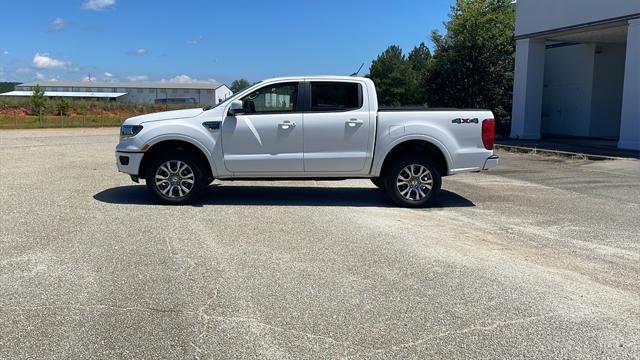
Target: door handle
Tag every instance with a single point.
(354, 122)
(285, 125)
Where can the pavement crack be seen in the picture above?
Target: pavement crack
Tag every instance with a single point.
(277, 328)
(256, 322)
(492, 326)
(97, 306)
(196, 354)
(206, 318)
(168, 247)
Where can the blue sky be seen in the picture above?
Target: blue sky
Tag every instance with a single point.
(205, 40)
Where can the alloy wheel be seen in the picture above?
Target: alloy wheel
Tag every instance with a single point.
(414, 182)
(174, 179)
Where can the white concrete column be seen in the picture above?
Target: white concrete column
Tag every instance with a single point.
(630, 119)
(527, 89)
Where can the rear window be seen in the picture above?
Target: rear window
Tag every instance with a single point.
(335, 96)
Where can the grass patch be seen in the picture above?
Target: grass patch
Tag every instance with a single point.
(32, 122)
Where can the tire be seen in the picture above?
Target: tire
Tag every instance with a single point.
(379, 183)
(419, 189)
(176, 178)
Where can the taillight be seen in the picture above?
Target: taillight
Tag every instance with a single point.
(488, 133)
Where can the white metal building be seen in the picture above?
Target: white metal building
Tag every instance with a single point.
(578, 70)
(134, 93)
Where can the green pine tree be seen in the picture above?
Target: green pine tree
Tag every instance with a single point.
(395, 79)
(38, 102)
(240, 84)
(472, 66)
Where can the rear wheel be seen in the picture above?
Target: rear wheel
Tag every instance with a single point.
(176, 178)
(413, 183)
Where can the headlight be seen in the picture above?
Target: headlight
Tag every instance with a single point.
(129, 131)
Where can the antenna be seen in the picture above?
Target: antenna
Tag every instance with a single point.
(357, 72)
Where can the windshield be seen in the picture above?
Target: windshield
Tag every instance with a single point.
(209, 107)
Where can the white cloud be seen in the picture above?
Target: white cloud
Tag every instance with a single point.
(108, 77)
(5, 52)
(137, 52)
(185, 79)
(137, 78)
(98, 5)
(58, 24)
(41, 77)
(43, 61)
(195, 40)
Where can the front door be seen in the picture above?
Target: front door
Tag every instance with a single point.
(267, 136)
(336, 128)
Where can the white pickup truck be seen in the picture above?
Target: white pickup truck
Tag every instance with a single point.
(318, 127)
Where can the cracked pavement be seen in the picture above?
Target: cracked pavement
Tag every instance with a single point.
(539, 258)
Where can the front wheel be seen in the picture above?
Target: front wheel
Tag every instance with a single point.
(413, 183)
(176, 178)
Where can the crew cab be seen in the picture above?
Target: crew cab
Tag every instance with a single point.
(316, 127)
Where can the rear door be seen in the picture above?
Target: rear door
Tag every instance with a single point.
(336, 127)
(267, 136)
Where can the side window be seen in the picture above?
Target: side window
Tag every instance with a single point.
(335, 96)
(272, 99)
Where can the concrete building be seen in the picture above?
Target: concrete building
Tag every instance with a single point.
(133, 93)
(578, 70)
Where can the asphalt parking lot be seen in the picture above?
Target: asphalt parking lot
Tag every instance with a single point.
(539, 258)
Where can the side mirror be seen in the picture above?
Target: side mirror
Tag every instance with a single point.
(236, 108)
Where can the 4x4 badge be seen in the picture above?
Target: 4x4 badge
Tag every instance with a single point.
(465, 121)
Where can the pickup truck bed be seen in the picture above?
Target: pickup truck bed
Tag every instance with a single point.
(421, 108)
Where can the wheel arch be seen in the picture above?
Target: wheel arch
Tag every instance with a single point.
(420, 147)
(170, 144)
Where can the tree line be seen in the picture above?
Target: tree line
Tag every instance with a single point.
(471, 67)
(7, 86)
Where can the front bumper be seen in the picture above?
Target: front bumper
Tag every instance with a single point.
(129, 162)
(491, 162)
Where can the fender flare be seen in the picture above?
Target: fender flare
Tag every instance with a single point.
(377, 167)
(188, 139)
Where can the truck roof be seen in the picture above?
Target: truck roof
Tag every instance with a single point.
(316, 77)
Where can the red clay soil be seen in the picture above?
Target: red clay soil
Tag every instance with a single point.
(125, 112)
(13, 111)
